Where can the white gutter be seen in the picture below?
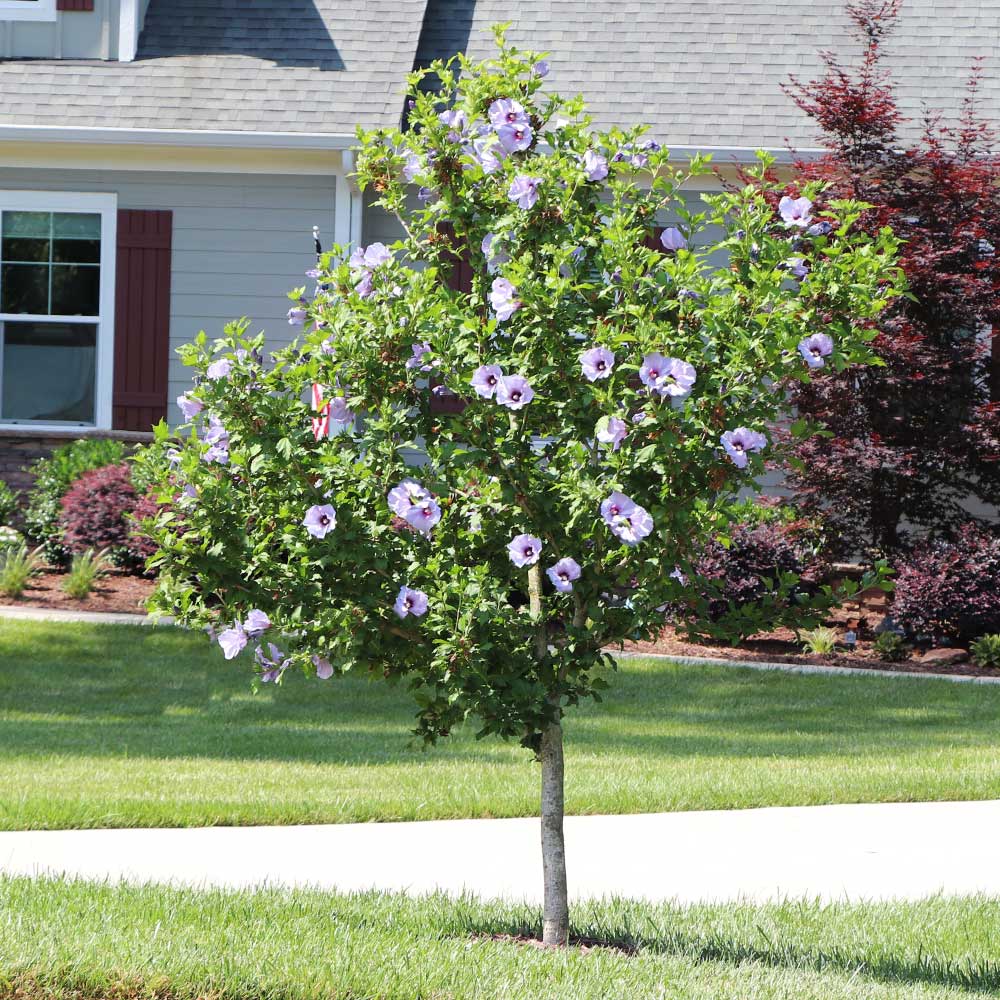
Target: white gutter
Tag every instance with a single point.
(203, 139)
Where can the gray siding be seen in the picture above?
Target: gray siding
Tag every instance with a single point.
(73, 35)
(241, 242)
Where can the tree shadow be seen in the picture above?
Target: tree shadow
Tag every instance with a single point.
(291, 33)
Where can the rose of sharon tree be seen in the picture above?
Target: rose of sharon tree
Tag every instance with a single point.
(615, 396)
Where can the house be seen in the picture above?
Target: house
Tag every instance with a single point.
(163, 162)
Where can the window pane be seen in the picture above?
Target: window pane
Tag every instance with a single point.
(21, 248)
(48, 372)
(76, 291)
(27, 224)
(24, 288)
(76, 225)
(76, 251)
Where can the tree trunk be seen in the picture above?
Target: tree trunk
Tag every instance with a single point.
(555, 914)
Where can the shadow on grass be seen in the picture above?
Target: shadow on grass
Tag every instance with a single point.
(164, 693)
(657, 938)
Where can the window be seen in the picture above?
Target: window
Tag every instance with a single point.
(56, 303)
(27, 10)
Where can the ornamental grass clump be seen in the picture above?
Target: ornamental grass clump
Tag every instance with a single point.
(616, 397)
(17, 567)
(84, 573)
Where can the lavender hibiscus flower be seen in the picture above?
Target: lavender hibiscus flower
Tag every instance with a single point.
(256, 623)
(413, 165)
(217, 439)
(796, 267)
(515, 138)
(219, 369)
(541, 68)
(506, 111)
(190, 406)
(296, 316)
(815, 348)
(628, 522)
(740, 443)
(485, 380)
(406, 495)
(233, 641)
(667, 376)
(423, 515)
(421, 357)
(410, 602)
(524, 550)
(494, 257)
(502, 299)
(324, 668)
(673, 239)
(320, 520)
(563, 573)
(339, 410)
(514, 392)
(795, 211)
(822, 228)
(597, 363)
(524, 191)
(489, 153)
(613, 432)
(273, 663)
(595, 166)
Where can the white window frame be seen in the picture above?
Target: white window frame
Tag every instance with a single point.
(105, 205)
(21, 10)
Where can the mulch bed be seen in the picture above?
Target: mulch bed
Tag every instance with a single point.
(117, 592)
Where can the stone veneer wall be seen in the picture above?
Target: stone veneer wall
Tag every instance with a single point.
(19, 448)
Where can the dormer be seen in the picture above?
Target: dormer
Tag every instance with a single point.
(71, 29)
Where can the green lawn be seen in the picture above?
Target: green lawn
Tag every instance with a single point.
(86, 942)
(121, 726)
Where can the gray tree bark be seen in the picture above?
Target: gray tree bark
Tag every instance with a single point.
(555, 910)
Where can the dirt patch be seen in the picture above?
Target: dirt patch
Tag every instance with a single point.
(117, 592)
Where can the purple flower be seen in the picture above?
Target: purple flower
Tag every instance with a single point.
(453, 118)
(541, 68)
(815, 348)
(514, 392)
(796, 267)
(494, 258)
(421, 355)
(315, 273)
(364, 286)
(485, 380)
(595, 166)
(190, 406)
(219, 369)
(217, 438)
(679, 576)
(563, 573)
(687, 293)
(821, 228)
(426, 194)
(423, 516)
(502, 299)
(339, 410)
(740, 442)
(673, 239)
(524, 190)
(524, 550)
(296, 316)
(667, 376)
(639, 417)
(597, 363)
(413, 165)
(256, 623)
(324, 668)
(406, 495)
(273, 665)
(376, 255)
(410, 602)
(489, 153)
(506, 111)
(628, 521)
(613, 432)
(320, 520)
(795, 211)
(233, 641)
(515, 138)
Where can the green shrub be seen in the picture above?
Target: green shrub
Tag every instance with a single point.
(53, 477)
(17, 567)
(891, 647)
(10, 538)
(986, 651)
(86, 569)
(8, 503)
(820, 640)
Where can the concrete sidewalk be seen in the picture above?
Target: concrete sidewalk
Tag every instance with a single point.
(854, 852)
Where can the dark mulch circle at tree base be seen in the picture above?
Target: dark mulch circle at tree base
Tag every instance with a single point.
(118, 592)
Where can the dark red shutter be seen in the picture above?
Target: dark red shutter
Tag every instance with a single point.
(74, 4)
(142, 319)
(460, 280)
(653, 242)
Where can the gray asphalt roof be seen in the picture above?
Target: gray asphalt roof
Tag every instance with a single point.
(702, 75)
(245, 65)
(709, 74)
